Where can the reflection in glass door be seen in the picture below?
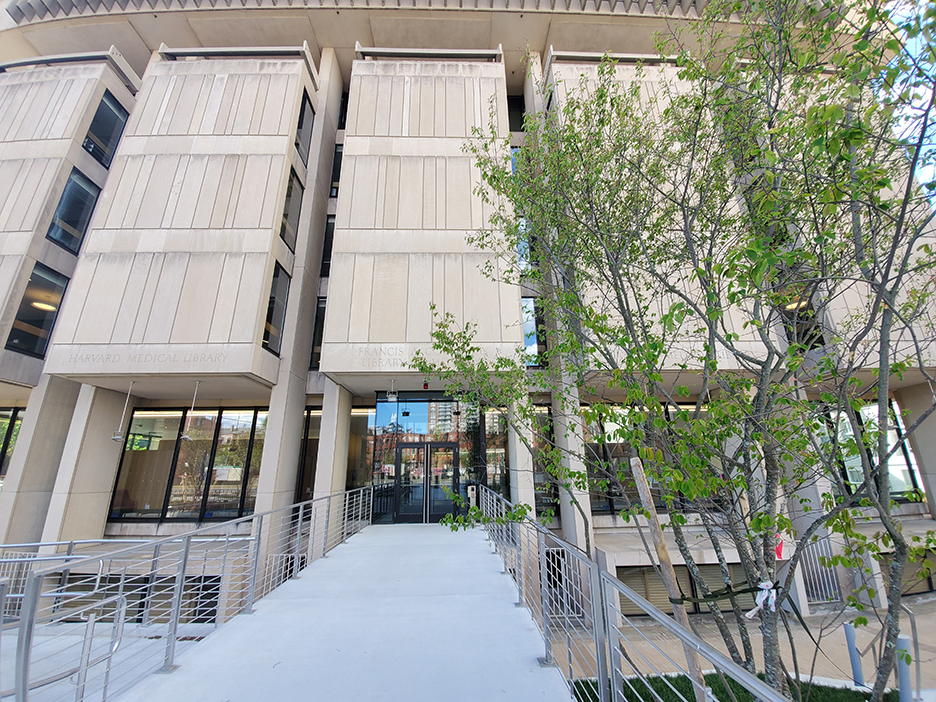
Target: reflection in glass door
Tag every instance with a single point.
(410, 479)
(426, 479)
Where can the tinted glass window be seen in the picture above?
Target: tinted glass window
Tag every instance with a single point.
(276, 311)
(71, 218)
(327, 245)
(253, 473)
(515, 109)
(146, 464)
(304, 130)
(336, 171)
(317, 334)
(343, 112)
(290, 226)
(206, 460)
(106, 128)
(533, 339)
(36, 314)
(10, 420)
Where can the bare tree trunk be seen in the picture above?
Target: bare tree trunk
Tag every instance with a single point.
(669, 574)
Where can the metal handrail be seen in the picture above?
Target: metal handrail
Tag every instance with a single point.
(601, 593)
(916, 649)
(204, 530)
(218, 559)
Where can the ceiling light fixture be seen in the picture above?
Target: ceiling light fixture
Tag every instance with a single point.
(44, 306)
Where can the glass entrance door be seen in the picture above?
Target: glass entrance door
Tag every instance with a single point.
(426, 479)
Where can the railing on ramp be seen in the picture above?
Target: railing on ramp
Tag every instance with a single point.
(86, 627)
(583, 614)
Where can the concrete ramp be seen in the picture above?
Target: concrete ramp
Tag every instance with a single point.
(402, 613)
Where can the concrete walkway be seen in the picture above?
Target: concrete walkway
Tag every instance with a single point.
(401, 613)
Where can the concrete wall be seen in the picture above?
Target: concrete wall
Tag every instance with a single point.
(404, 208)
(45, 113)
(175, 275)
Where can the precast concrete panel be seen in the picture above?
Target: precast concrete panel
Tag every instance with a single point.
(405, 206)
(188, 233)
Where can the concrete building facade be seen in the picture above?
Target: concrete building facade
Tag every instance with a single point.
(237, 250)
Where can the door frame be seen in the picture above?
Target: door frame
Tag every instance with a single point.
(427, 448)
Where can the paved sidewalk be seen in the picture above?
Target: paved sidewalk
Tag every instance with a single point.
(402, 612)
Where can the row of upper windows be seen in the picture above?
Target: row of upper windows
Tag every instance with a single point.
(32, 326)
(39, 306)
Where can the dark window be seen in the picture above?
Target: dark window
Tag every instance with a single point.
(71, 218)
(195, 465)
(343, 112)
(802, 325)
(290, 226)
(36, 314)
(516, 106)
(308, 454)
(276, 311)
(106, 128)
(336, 171)
(10, 420)
(304, 130)
(317, 333)
(327, 245)
(534, 340)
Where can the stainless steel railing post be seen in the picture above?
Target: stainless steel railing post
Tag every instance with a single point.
(150, 593)
(344, 519)
(328, 502)
(598, 628)
(615, 660)
(177, 593)
(85, 657)
(28, 609)
(4, 583)
(254, 564)
(544, 596)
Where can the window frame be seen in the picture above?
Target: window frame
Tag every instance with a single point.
(287, 227)
(318, 332)
(328, 242)
(905, 449)
(304, 147)
(38, 265)
(74, 177)
(336, 171)
(163, 517)
(123, 125)
(271, 310)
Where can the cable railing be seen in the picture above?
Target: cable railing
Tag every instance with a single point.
(579, 609)
(86, 627)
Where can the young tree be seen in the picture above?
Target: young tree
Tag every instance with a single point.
(732, 255)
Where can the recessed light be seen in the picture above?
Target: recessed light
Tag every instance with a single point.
(44, 306)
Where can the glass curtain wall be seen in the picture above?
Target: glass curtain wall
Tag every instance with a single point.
(10, 420)
(415, 418)
(191, 466)
(308, 454)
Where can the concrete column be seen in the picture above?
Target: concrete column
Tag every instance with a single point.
(85, 481)
(568, 438)
(915, 400)
(522, 487)
(30, 478)
(279, 466)
(331, 471)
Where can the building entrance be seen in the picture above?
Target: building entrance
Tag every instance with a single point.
(426, 477)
